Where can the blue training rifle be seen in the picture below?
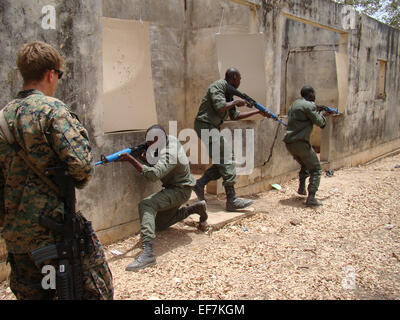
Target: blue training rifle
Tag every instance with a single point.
(232, 91)
(134, 151)
(328, 109)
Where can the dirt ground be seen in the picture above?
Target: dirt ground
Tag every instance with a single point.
(347, 249)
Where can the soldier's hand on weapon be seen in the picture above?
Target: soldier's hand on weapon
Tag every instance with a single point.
(142, 156)
(241, 103)
(265, 114)
(124, 157)
(326, 113)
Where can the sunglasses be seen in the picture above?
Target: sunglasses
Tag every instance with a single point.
(59, 73)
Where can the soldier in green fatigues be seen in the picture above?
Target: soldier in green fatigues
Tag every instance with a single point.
(215, 108)
(301, 118)
(51, 136)
(163, 209)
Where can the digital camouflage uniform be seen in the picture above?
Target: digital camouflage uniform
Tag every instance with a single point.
(209, 118)
(162, 209)
(51, 136)
(301, 118)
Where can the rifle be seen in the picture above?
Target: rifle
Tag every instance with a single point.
(134, 151)
(232, 91)
(328, 109)
(76, 241)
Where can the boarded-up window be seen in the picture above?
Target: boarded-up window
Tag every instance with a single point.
(127, 79)
(249, 59)
(381, 81)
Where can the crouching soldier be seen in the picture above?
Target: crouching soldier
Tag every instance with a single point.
(163, 209)
(303, 115)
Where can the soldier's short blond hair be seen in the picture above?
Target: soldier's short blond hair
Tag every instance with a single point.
(35, 58)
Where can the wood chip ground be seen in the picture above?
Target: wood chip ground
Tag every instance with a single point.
(347, 249)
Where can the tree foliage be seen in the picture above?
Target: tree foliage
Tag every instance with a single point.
(387, 11)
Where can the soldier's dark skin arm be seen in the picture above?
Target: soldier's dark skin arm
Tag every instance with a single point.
(230, 105)
(127, 157)
(242, 115)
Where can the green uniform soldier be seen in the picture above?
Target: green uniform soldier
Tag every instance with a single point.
(51, 137)
(163, 209)
(301, 118)
(215, 108)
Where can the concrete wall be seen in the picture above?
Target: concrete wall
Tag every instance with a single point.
(184, 63)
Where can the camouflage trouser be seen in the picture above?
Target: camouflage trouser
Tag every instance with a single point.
(161, 210)
(305, 155)
(26, 277)
(226, 168)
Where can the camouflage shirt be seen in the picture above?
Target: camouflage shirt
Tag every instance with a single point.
(172, 167)
(51, 136)
(214, 100)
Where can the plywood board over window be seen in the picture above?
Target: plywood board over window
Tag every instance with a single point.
(246, 52)
(127, 79)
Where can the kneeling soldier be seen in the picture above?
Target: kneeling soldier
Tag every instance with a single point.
(163, 209)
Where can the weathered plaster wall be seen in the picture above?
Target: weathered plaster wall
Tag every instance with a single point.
(205, 18)
(367, 122)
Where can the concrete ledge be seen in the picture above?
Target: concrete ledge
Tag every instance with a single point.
(217, 216)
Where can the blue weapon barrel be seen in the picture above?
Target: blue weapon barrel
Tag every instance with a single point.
(113, 157)
(264, 109)
(335, 111)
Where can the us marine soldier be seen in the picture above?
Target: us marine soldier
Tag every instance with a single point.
(302, 116)
(215, 108)
(163, 209)
(50, 136)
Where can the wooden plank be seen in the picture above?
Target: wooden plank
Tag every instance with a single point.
(253, 6)
(313, 23)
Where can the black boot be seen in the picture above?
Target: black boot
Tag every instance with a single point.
(233, 203)
(302, 187)
(311, 201)
(199, 187)
(145, 259)
(200, 208)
